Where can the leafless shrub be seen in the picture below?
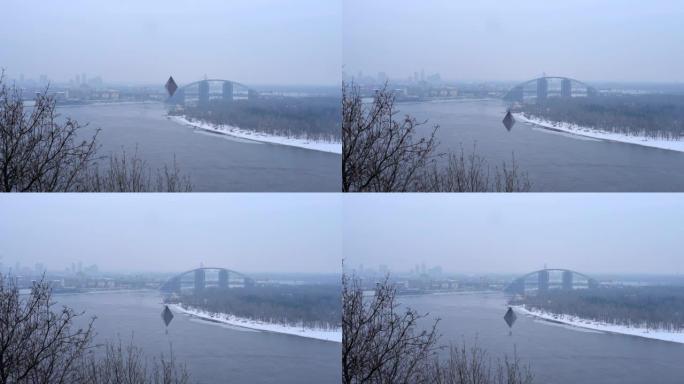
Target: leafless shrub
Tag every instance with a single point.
(127, 364)
(132, 174)
(383, 344)
(379, 153)
(36, 152)
(380, 343)
(38, 343)
(472, 173)
(474, 366)
(40, 154)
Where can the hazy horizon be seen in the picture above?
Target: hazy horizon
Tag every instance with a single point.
(489, 40)
(269, 233)
(253, 42)
(510, 234)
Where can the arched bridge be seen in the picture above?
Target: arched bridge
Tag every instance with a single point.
(200, 278)
(568, 280)
(560, 86)
(200, 92)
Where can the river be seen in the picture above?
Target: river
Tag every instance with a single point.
(558, 354)
(216, 163)
(555, 162)
(214, 353)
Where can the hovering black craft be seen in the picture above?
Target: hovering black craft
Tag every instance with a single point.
(509, 121)
(510, 318)
(171, 86)
(167, 316)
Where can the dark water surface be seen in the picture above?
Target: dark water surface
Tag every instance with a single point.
(214, 162)
(556, 162)
(557, 353)
(213, 353)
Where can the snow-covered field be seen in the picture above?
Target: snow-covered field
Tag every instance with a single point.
(332, 147)
(673, 145)
(319, 334)
(676, 337)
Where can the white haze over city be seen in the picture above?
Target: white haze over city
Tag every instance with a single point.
(501, 233)
(280, 233)
(613, 40)
(248, 41)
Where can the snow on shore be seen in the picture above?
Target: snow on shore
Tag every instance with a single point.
(672, 145)
(676, 337)
(331, 147)
(319, 334)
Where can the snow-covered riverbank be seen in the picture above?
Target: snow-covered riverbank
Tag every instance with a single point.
(676, 337)
(319, 334)
(672, 145)
(331, 147)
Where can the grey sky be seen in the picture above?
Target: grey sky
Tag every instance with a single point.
(171, 232)
(250, 41)
(614, 40)
(497, 233)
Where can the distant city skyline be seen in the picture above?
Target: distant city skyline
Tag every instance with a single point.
(253, 42)
(511, 234)
(490, 40)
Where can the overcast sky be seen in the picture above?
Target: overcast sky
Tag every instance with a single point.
(614, 40)
(170, 232)
(249, 41)
(502, 233)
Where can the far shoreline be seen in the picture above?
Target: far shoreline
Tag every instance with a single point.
(227, 319)
(564, 127)
(328, 147)
(651, 334)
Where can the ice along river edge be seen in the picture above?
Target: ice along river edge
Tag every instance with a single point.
(334, 335)
(654, 334)
(672, 145)
(330, 147)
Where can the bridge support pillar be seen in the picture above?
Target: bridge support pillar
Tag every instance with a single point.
(223, 279)
(203, 100)
(567, 280)
(542, 90)
(566, 88)
(227, 91)
(200, 280)
(543, 281)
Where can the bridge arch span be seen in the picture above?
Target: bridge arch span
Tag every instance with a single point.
(517, 93)
(196, 279)
(518, 285)
(201, 91)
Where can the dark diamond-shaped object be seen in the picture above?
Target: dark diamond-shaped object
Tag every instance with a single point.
(171, 86)
(510, 317)
(167, 315)
(509, 121)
